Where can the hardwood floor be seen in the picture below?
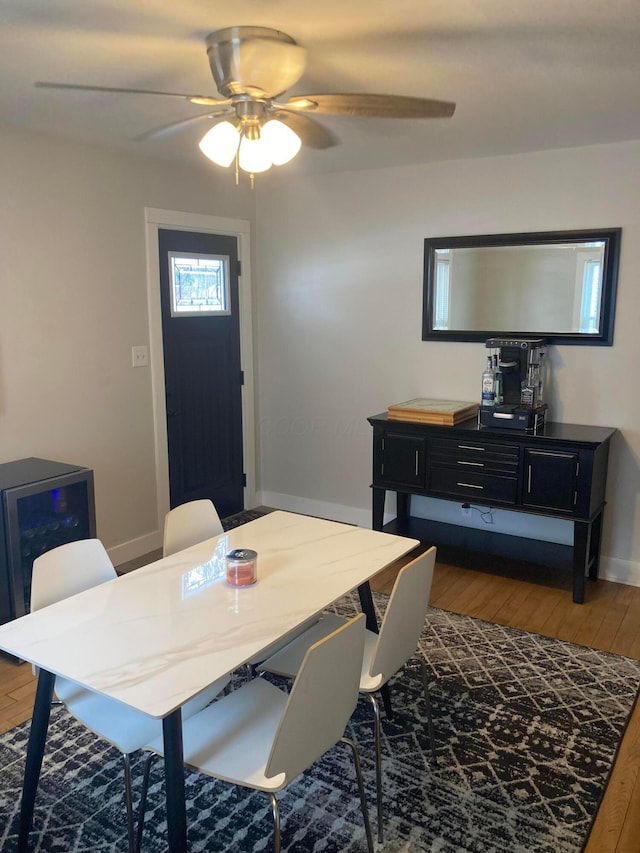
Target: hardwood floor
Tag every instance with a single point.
(532, 599)
(17, 692)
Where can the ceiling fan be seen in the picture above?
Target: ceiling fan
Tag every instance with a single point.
(253, 67)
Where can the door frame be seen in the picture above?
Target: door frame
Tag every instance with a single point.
(155, 219)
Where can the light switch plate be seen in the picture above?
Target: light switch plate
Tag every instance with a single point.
(140, 356)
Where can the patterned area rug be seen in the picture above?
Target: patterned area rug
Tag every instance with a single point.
(243, 517)
(527, 729)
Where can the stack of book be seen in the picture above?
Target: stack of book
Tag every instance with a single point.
(425, 411)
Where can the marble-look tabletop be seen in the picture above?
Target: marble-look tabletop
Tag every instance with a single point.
(159, 635)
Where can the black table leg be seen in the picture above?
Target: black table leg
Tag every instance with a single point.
(174, 776)
(35, 753)
(366, 603)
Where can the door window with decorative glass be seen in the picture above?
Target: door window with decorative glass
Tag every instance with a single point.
(199, 284)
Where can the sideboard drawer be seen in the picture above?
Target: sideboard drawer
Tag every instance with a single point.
(475, 455)
(471, 485)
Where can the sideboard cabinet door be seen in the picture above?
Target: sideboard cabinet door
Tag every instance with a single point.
(550, 480)
(402, 461)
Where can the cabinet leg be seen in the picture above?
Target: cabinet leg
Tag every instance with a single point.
(581, 536)
(378, 508)
(594, 548)
(402, 504)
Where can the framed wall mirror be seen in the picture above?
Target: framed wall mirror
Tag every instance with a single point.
(560, 285)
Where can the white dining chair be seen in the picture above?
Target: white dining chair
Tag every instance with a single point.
(70, 569)
(261, 737)
(384, 653)
(189, 524)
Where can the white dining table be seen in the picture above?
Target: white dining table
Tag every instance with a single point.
(156, 637)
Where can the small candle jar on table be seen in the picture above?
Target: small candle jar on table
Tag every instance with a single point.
(242, 567)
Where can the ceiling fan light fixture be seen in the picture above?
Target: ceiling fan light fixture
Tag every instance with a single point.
(253, 155)
(282, 143)
(221, 143)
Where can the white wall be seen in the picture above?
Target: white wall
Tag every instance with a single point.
(73, 301)
(339, 294)
(339, 278)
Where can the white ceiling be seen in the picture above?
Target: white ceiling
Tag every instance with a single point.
(526, 76)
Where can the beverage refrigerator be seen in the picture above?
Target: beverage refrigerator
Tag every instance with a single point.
(43, 504)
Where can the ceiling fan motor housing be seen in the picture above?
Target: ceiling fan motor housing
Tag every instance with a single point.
(255, 61)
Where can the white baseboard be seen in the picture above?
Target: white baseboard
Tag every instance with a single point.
(321, 509)
(611, 568)
(135, 548)
(619, 571)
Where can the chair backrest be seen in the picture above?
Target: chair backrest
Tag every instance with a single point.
(404, 617)
(189, 524)
(69, 569)
(322, 699)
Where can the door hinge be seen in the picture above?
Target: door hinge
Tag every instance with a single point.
(242, 377)
(244, 480)
(239, 269)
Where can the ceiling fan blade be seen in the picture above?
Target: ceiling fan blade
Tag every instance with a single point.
(372, 106)
(171, 127)
(204, 100)
(311, 132)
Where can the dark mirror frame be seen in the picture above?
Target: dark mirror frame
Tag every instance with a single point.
(611, 238)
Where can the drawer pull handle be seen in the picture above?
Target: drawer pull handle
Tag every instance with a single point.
(471, 447)
(550, 453)
(470, 486)
(417, 462)
(475, 464)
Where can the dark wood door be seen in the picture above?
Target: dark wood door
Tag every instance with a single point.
(203, 377)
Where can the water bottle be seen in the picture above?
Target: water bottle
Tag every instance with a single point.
(488, 384)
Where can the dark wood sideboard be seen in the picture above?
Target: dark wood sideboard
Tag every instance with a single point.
(560, 473)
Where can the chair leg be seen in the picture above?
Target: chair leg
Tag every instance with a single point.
(378, 742)
(427, 699)
(363, 798)
(276, 823)
(143, 799)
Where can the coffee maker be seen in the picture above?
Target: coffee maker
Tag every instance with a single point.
(522, 368)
